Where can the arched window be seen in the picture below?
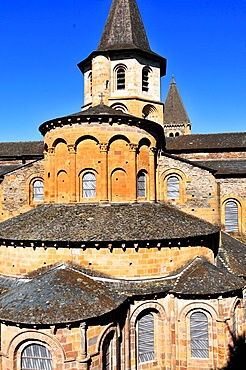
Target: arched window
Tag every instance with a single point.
(38, 190)
(121, 78)
(89, 185)
(176, 134)
(90, 82)
(107, 352)
(141, 185)
(199, 341)
(171, 134)
(231, 216)
(145, 79)
(36, 357)
(145, 338)
(173, 187)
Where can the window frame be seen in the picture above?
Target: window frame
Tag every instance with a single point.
(146, 341)
(142, 175)
(194, 348)
(231, 218)
(46, 360)
(89, 181)
(173, 176)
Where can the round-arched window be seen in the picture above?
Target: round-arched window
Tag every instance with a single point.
(38, 190)
(36, 357)
(89, 185)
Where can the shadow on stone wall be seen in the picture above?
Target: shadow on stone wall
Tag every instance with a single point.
(237, 354)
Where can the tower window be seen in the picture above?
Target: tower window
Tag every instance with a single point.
(146, 343)
(199, 335)
(89, 185)
(173, 187)
(38, 190)
(231, 216)
(141, 185)
(145, 79)
(121, 78)
(35, 357)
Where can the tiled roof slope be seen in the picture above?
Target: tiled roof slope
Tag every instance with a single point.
(124, 28)
(200, 277)
(206, 142)
(174, 108)
(21, 148)
(66, 293)
(225, 167)
(103, 223)
(232, 255)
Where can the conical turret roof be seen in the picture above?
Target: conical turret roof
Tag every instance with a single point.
(124, 28)
(174, 108)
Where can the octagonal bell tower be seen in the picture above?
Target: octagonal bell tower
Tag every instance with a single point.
(124, 71)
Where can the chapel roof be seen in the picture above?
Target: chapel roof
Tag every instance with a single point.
(124, 28)
(232, 255)
(175, 112)
(202, 278)
(206, 142)
(22, 148)
(65, 293)
(223, 167)
(92, 223)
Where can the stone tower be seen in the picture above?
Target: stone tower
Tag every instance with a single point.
(124, 71)
(176, 120)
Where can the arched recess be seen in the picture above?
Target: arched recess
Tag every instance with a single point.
(143, 154)
(108, 346)
(173, 186)
(58, 141)
(87, 153)
(119, 185)
(120, 106)
(148, 333)
(62, 194)
(149, 112)
(26, 338)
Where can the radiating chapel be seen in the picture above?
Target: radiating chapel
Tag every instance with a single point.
(122, 233)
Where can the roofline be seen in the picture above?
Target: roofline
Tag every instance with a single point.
(188, 162)
(150, 54)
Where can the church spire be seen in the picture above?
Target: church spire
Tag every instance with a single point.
(124, 28)
(175, 115)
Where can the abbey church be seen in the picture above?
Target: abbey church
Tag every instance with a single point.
(122, 234)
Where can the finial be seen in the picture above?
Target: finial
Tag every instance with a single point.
(101, 96)
(173, 82)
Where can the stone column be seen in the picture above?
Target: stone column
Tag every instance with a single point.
(104, 172)
(72, 173)
(51, 177)
(152, 175)
(83, 358)
(132, 173)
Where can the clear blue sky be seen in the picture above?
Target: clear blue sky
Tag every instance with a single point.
(41, 42)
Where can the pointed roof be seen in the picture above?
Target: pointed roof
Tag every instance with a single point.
(124, 28)
(174, 108)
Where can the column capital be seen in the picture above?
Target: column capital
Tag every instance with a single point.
(152, 150)
(133, 147)
(103, 147)
(51, 150)
(71, 149)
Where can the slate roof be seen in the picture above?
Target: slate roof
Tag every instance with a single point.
(232, 255)
(22, 148)
(4, 169)
(207, 142)
(65, 293)
(102, 113)
(174, 112)
(225, 167)
(201, 278)
(124, 28)
(104, 223)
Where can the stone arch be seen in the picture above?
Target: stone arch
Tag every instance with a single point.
(118, 137)
(110, 327)
(58, 141)
(21, 340)
(30, 187)
(149, 112)
(83, 138)
(160, 332)
(120, 107)
(196, 306)
(120, 76)
(180, 175)
(238, 201)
